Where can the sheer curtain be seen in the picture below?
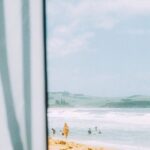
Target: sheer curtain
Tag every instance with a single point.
(22, 84)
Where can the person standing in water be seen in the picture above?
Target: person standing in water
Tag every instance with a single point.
(99, 132)
(53, 131)
(89, 131)
(96, 128)
(65, 131)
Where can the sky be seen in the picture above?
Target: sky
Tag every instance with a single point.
(99, 47)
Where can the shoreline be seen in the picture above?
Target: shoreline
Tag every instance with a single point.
(58, 144)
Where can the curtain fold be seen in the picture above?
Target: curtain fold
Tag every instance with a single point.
(27, 68)
(22, 83)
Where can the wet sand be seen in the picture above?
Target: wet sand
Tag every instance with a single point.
(56, 144)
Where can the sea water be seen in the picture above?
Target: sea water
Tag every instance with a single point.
(121, 128)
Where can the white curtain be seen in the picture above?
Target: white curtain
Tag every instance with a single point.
(22, 83)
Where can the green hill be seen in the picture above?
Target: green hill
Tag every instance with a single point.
(66, 99)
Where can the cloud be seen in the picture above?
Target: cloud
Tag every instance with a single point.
(98, 9)
(137, 31)
(107, 23)
(65, 29)
(63, 44)
(69, 22)
(134, 7)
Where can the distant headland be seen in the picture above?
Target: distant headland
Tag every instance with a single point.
(67, 99)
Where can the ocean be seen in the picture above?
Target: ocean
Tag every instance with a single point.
(121, 128)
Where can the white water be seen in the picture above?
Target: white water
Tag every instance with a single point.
(123, 128)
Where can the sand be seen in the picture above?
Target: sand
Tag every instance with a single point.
(56, 144)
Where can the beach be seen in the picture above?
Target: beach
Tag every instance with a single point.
(56, 144)
(121, 129)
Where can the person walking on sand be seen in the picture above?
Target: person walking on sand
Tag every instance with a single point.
(65, 131)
